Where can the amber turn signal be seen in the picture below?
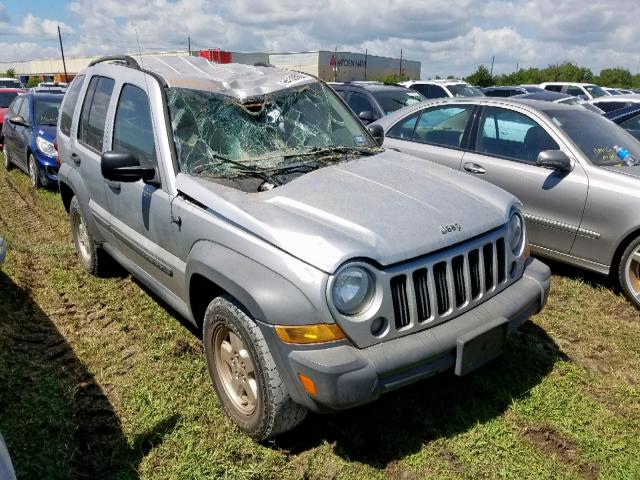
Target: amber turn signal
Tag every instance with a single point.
(319, 333)
(308, 384)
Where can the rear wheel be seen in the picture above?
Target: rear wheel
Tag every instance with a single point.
(34, 174)
(629, 272)
(90, 254)
(244, 373)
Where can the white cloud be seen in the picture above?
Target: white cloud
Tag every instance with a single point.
(452, 38)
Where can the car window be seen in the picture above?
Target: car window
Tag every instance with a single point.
(508, 134)
(24, 110)
(46, 110)
(14, 108)
(94, 112)
(553, 88)
(359, 103)
(68, 107)
(464, 90)
(610, 106)
(133, 127)
(443, 125)
(6, 98)
(575, 91)
(403, 130)
(436, 91)
(595, 91)
(392, 100)
(632, 125)
(422, 88)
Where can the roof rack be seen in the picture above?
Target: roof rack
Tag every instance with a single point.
(128, 60)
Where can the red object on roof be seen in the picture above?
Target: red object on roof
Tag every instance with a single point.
(217, 56)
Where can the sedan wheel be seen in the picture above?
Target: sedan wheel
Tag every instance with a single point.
(34, 176)
(629, 272)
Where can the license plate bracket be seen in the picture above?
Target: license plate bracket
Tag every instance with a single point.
(481, 345)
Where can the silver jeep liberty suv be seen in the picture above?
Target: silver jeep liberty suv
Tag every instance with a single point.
(322, 270)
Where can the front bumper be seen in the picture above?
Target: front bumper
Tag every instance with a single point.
(346, 376)
(47, 169)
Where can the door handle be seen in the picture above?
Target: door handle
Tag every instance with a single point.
(474, 168)
(76, 158)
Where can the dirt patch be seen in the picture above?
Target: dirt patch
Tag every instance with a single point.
(564, 449)
(183, 347)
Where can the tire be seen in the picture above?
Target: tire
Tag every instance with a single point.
(34, 174)
(629, 272)
(8, 165)
(273, 411)
(91, 255)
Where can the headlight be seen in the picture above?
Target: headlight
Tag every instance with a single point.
(516, 234)
(353, 289)
(46, 147)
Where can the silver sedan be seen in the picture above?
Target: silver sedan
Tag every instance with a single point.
(575, 172)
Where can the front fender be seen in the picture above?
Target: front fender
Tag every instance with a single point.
(293, 295)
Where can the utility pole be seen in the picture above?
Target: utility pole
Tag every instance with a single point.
(492, 60)
(64, 65)
(335, 68)
(189, 41)
(366, 57)
(400, 62)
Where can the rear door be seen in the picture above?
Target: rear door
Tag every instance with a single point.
(86, 149)
(504, 152)
(436, 134)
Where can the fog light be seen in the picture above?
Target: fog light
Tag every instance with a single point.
(319, 333)
(308, 384)
(379, 327)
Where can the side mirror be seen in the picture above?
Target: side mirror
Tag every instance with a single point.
(555, 160)
(18, 120)
(367, 116)
(124, 167)
(377, 132)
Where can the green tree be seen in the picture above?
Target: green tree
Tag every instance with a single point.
(10, 73)
(481, 77)
(33, 82)
(615, 77)
(392, 78)
(567, 72)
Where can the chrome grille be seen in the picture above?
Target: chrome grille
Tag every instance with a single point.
(442, 288)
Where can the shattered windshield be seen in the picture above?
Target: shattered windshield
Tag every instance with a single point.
(219, 136)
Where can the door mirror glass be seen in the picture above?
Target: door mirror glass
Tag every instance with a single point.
(125, 167)
(377, 132)
(555, 160)
(18, 120)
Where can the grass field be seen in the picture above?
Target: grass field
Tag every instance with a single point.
(98, 379)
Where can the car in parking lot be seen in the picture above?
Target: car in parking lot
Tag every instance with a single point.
(611, 103)
(322, 270)
(7, 95)
(555, 97)
(576, 173)
(628, 118)
(586, 91)
(29, 131)
(8, 82)
(504, 91)
(373, 100)
(441, 88)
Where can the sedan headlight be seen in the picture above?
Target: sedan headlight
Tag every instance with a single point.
(516, 236)
(353, 289)
(46, 147)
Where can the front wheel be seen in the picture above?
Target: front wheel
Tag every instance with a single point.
(34, 174)
(629, 272)
(8, 165)
(244, 373)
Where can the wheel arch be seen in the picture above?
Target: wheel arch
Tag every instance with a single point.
(622, 246)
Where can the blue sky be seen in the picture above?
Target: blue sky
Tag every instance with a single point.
(452, 37)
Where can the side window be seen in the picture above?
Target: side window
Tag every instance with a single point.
(14, 108)
(610, 106)
(575, 91)
(24, 110)
(422, 88)
(436, 92)
(70, 100)
(444, 125)
(512, 135)
(94, 112)
(133, 127)
(359, 103)
(403, 130)
(632, 125)
(553, 88)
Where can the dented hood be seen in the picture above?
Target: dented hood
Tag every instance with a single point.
(388, 208)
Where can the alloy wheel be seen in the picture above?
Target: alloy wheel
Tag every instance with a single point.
(632, 273)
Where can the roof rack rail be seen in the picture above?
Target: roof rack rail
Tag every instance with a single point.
(128, 60)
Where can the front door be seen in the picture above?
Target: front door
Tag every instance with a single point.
(505, 152)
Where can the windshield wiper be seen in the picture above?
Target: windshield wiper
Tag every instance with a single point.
(315, 151)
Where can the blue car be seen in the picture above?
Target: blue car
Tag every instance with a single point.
(29, 131)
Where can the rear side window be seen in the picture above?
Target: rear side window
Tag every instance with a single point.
(94, 112)
(575, 91)
(70, 100)
(553, 88)
(133, 127)
(436, 92)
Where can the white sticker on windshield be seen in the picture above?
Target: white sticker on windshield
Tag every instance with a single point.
(359, 139)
